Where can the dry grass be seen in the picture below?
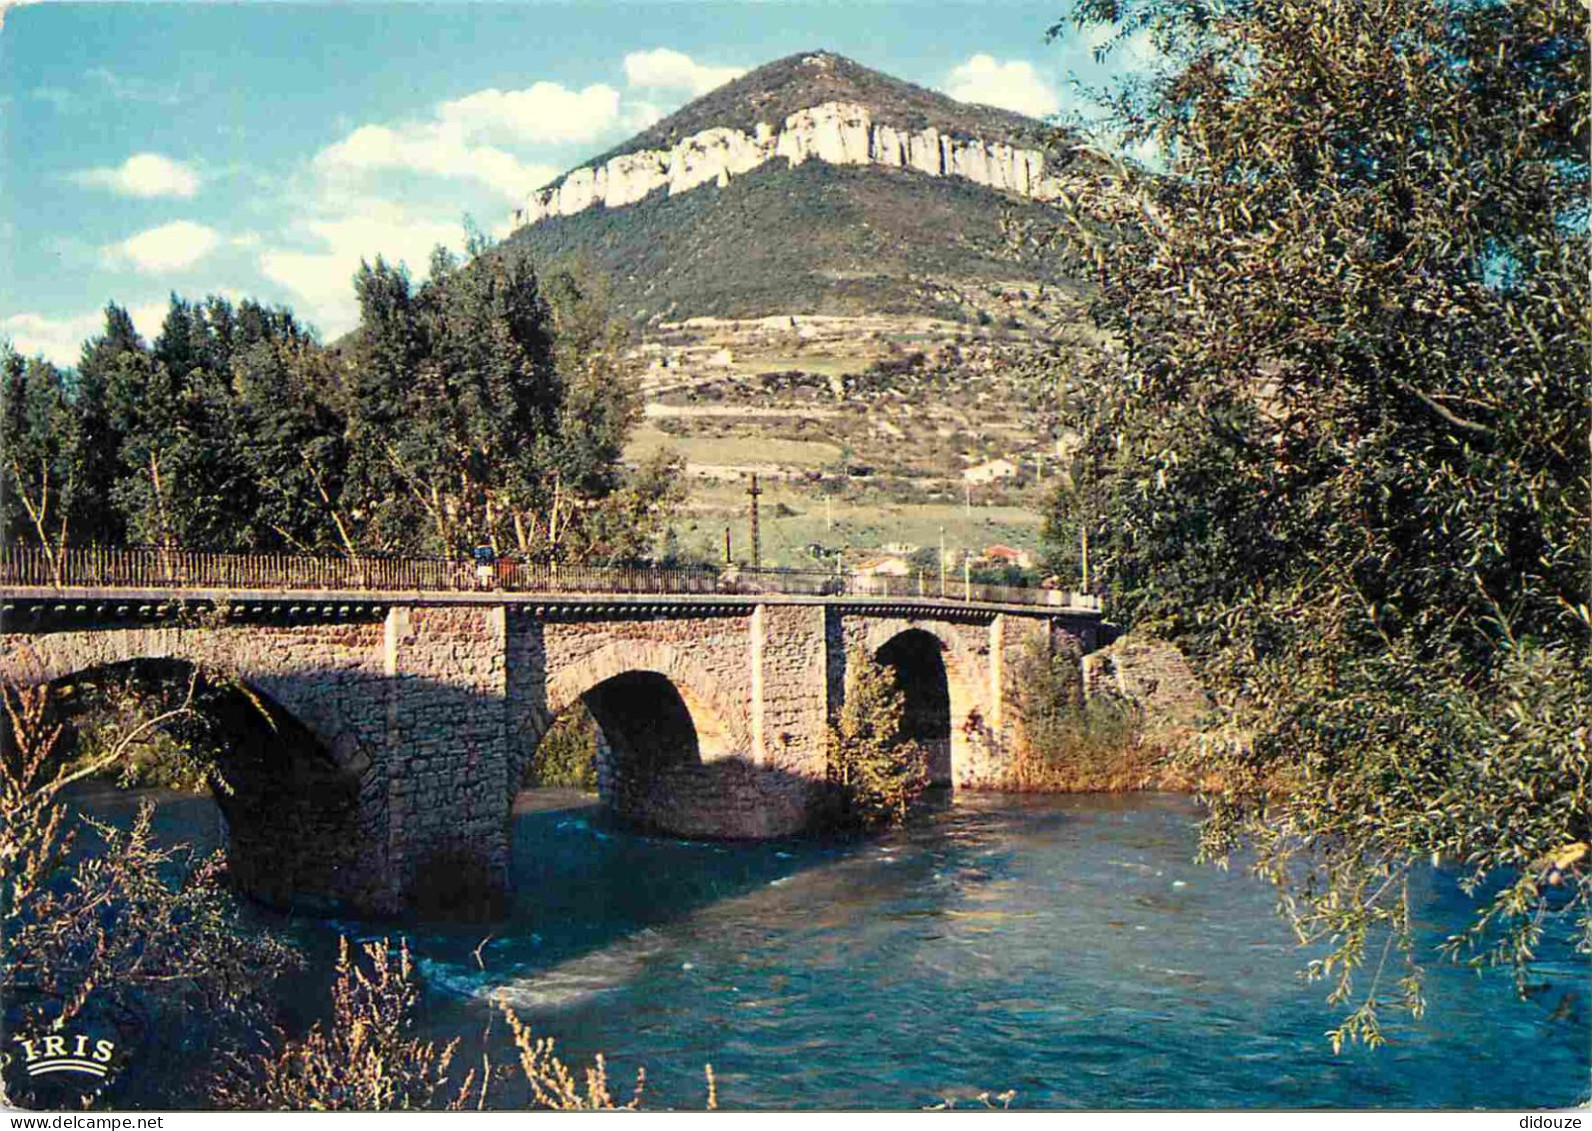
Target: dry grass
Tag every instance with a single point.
(1107, 760)
(732, 451)
(364, 1058)
(1068, 743)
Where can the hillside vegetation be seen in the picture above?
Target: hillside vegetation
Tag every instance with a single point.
(812, 239)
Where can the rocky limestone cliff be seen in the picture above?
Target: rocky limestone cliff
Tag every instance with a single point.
(813, 185)
(840, 133)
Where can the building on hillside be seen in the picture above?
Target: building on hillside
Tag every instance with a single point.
(990, 472)
(1005, 555)
(899, 549)
(887, 566)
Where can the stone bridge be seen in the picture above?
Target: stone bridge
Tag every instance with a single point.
(398, 727)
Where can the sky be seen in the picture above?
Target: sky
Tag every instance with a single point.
(263, 149)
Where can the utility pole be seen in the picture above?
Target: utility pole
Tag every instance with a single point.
(728, 560)
(942, 561)
(752, 493)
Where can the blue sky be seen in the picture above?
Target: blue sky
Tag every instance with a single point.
(262, 149)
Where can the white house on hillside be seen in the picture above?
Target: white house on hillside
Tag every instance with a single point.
(884, 567)
(991, 471)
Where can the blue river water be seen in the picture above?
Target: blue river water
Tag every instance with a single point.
(1067, 949)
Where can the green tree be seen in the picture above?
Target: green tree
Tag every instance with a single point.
(184, 481)
(567, 754)
(1339, 441)
(454, 406)
(91, 396)
(41, 475)
(875, 771)
(293, 444)
(602, 403)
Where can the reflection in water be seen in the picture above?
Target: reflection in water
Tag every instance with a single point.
(1067, 948)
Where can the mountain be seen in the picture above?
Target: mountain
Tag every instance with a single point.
(811, 185)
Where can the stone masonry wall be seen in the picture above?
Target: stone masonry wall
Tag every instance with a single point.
(1151, 673)
(436, 710)
(447, 754)
(791, 713)
(550, 664)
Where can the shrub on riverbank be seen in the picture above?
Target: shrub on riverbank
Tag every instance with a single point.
(362, 1059)
(1072, 743)
(365, 1058)
(135, 944)
(874, 772)
(144, 946)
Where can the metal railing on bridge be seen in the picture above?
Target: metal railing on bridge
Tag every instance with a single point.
(147, 568)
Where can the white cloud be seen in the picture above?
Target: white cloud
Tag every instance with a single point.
(1096, 36)
(639, 114)
(144, 175)
(439, 150)
(1140, 52)
(58, 339)
(1012, 85)
(363, 196)
(321, 279)
(664, 69)
(170, 247)
(481, 136)
(543, 112)
(149, 317)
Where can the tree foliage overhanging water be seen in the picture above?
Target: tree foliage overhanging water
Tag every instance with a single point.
(1337, 447)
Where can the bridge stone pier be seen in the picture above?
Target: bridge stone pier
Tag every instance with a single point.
(421, 712)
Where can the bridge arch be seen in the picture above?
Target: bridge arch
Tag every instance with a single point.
(663, 718)
(939, 676)
(915, 656)
(338, 702)
(291, 813)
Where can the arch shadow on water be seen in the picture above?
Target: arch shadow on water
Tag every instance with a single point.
(288, 812)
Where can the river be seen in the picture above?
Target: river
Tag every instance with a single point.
(1067, 949)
